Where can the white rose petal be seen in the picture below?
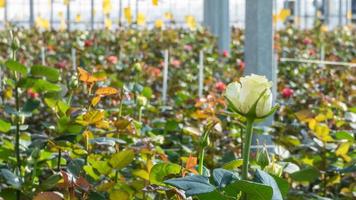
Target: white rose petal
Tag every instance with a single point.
(244, 95)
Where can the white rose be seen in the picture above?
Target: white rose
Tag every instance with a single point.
(244, 94)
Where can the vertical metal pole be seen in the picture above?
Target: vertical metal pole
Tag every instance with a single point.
(43, 56)
(137, 9)
(92, 14)
(259, 41)
(31, 13)
(5, 13)
(216, 18)
(201, 74)
(68, 16)
(52, 18)
(165, 77)
(340, 13)
(74, 59)
(120, 13)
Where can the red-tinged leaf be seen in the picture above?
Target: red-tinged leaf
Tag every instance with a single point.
(48, 196)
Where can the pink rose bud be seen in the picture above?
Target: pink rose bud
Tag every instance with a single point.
(176, 63)
(220, 86)
(287, 92)
(188, 47)
(225, 54)
(111, 59)
(61, 64)
(88, 43)
(307, 41)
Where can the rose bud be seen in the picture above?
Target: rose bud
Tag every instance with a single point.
(252, 96)
(176, 63)
(111, 59)
(312, 52)
(220, 86)
(307, 41)
(287, 92)
(61, 64)
(225, 54)
(88, 43)
(188, 47)
(32, 94)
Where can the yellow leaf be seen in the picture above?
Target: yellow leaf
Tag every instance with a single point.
(349, 14)
(155, 2)
(127, 13)
(168, 15)
(2, 3)
(320, 118)
(159, 23)
(65, 2)
(304, 115)
(103, 124)
(283, 14)
(343, 149)
(42, 23)
(108, 23)
(78, 18)
(329, 114)
(324, 28)
(190, 20)
(105, 91)
(63, 25)
(334, 180)
(312, 123)
(141, 20)
(308, 161)
(142, 174)
(95, 100)
(107, 6)
(118, 195)
(93, 117)
(87, 77)
(323, 133)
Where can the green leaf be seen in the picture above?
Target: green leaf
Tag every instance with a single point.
(118, 195)
(253, 190)
(96, 196)
(214, 195)
(76, 166)
(161, 170)
(51, 182)
(45, 86)
(147, 92)
(349, 169)
(223, 177)
(16, 67)
(90, 171)
(102, 167)
(30, 105)
(282, 184)
(51, 74)
(265, 178)
(122, 159)
(192, 185)
(4, 126)
(11, 178)
(308, 174)
(344, 135)
(233, 164)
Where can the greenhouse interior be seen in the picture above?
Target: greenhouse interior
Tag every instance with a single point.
(177, 99)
